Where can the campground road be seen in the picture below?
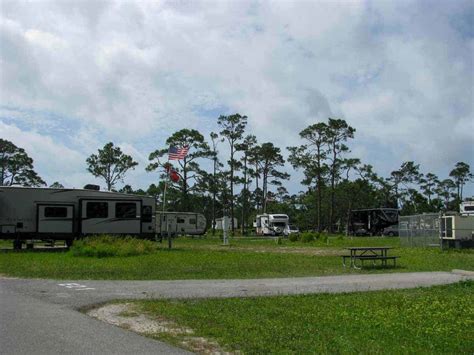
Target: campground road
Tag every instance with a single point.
(32, 326)
(76, 294)
(40, 316)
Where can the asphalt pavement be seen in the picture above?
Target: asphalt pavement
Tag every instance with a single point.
(41, 316)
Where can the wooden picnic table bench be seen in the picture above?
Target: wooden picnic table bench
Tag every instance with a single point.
(368, 253)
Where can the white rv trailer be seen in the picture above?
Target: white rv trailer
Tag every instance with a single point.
(271, 224)
(184, 223)
(65, 214)
(458, 228)
(220, 223)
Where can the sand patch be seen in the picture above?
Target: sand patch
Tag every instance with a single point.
(126, 315)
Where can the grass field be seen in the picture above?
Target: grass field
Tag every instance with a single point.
(245, 258)
(429, 320)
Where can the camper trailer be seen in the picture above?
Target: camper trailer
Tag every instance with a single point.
(271, 224)
(457, 229)
(64, 214)
(220, 223)
(183, 223)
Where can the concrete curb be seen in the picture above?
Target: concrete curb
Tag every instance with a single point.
(469, 274)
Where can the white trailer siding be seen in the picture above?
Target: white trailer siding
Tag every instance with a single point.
(184, 223)
(55, 219)
(118, 216)
(220, 223)
(62, 213)
(457, 227)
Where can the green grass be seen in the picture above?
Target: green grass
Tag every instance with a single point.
(335, 241)
(106, 246)
(430, 320)
(244, 258)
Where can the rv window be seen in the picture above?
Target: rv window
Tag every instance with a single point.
(147, 213)
(125, 210)
(468, 208)
(56, 212)
(192, 221)
(180, 220)
(97, 210)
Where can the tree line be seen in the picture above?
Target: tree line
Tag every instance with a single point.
(251, 180)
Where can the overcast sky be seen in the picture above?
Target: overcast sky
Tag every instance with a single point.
(77, 74)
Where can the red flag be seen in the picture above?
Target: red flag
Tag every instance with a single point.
(174, 176)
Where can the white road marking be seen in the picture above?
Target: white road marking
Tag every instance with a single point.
(76, 286)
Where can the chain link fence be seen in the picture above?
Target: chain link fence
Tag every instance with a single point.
(421, 230)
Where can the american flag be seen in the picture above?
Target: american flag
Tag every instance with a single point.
(175, 153)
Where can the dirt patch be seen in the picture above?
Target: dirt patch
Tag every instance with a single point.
(282, 250)
(126, 315)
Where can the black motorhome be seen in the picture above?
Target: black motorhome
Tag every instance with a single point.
(372, 221)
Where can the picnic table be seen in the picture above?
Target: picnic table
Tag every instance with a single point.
(368, 253)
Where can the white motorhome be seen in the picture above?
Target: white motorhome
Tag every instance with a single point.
(271, 224)
(184, 223)
(64, 214)
(457, 229)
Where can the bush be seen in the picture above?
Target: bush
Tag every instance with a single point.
(308, 237)
(107, 245)
(293, 237)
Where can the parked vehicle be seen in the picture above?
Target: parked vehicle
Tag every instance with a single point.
(184, 223)
(291, 229)
(64, 214)
(220, 223)
(457, 229)
(391, 231)
(372, 221)
(271, 224)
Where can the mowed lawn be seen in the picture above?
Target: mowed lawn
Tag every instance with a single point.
(245, 258)
(436, 320)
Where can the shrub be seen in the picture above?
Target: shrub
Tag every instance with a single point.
(293, 237)
(307, 237)
(107, 245)
(324, 238)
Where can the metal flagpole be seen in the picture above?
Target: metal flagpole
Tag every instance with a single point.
(164, 197)
(177, 154)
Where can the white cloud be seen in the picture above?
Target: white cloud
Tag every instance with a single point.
(45, 39)
(52, 161)
(400, 72)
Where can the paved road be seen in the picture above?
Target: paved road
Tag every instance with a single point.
(40, 316)
(32, 326)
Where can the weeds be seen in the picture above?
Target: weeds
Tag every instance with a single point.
(107, 246)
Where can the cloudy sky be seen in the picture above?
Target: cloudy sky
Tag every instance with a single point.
(77, 74)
